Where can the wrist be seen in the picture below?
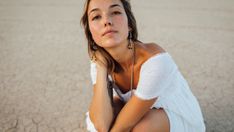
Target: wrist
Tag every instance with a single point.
(101, 69)
(101, 72)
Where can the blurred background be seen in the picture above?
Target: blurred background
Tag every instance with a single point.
(44, 66)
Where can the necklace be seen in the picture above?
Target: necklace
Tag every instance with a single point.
(132, 72)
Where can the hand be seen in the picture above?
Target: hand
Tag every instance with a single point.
(99, 60)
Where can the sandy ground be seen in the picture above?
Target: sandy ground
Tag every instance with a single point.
(44, 67)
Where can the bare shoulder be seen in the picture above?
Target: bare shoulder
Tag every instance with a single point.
(155, 48)
(150, 48)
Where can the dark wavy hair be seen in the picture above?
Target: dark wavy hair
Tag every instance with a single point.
(112, 65)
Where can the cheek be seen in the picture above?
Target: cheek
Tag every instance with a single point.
(122, 21)
(95, 30)
(123, 25)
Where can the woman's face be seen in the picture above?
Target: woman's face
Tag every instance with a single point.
(108, 22)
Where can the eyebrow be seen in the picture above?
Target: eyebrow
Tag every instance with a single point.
(112, 6)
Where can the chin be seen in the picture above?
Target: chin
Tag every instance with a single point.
(110, 44)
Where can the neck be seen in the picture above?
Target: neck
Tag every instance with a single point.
(122, 55)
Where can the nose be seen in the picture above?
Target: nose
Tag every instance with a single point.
(107, 21)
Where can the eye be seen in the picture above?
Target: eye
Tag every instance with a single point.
(116, 12)
(96, 17)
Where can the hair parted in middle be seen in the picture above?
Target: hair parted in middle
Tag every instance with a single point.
(112, 65)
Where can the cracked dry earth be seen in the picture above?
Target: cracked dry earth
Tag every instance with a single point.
(44, 68)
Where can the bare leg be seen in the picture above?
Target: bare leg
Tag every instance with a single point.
(155, 120)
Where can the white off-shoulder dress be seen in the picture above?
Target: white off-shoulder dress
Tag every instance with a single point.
(160, 77)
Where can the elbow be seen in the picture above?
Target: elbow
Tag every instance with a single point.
(102, 129)
(100, 126)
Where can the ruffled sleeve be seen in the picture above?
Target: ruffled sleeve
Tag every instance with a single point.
(155, 75)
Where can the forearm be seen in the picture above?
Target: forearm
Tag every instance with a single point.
(101, 111)
(131, 114)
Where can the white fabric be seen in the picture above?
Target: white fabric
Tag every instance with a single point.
(93, 72)
(90, 126)
(155, 76)
(160, 77)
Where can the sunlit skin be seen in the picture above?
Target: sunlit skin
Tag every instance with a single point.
(108, 24)
(100, 14)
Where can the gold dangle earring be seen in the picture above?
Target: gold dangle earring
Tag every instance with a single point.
(93, 57)
(93, 49)
(130, 43)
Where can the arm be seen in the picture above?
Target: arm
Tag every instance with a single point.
(101, 111)
(155, 76)
(131, 113)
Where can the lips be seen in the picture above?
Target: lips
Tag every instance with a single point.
(108, 31)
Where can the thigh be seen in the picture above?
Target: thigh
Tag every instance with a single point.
(156, 120)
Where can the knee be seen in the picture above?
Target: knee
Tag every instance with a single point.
(142, 126)
(153, 121)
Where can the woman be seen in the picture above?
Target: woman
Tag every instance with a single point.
(150, 94)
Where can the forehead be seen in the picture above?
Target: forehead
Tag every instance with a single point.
(102, 4)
